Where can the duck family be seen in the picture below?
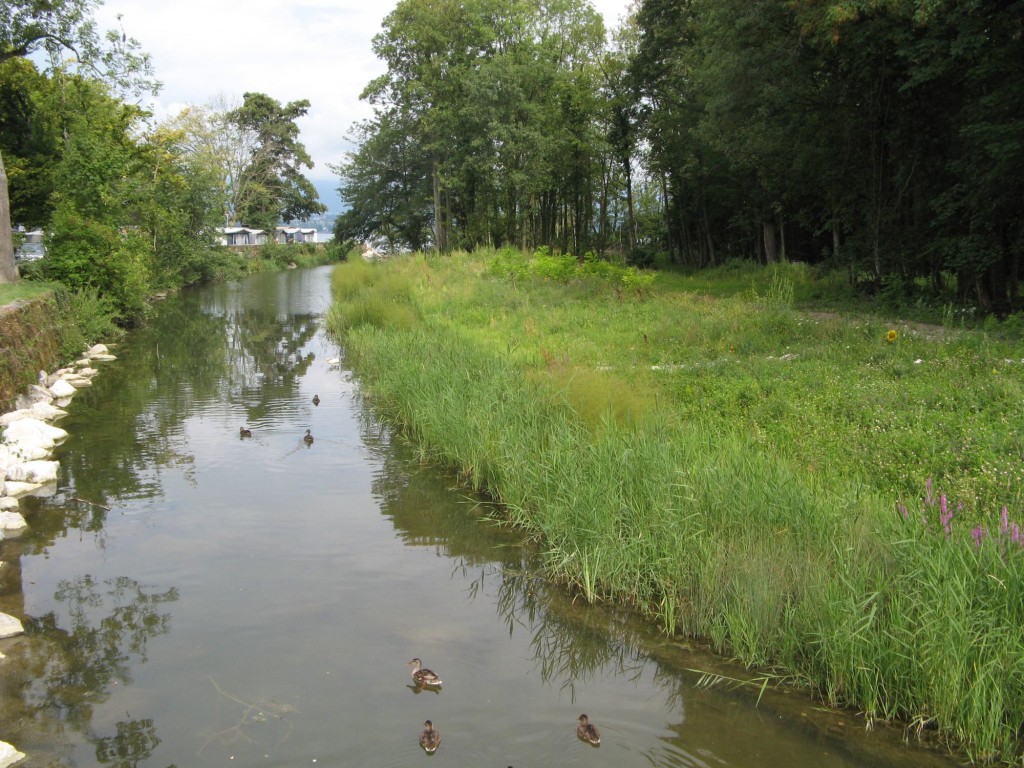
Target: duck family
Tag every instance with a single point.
(430, 739)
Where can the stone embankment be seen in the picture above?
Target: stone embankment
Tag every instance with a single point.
(27, 467)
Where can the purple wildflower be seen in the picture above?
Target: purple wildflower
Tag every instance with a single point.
(978, 533)
(1005, 528)
(946, 517)
(903, 511)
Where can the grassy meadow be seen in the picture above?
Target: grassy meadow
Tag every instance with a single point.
(830, 497)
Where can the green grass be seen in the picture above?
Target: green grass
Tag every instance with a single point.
(730, 466)
(24, 289)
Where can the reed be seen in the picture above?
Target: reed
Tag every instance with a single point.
(733, 498)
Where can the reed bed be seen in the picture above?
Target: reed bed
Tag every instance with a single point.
(703, 460)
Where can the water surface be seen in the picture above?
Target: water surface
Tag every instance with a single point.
(192, 598)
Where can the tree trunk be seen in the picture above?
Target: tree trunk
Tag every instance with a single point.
(440, 235)
(8, 271)
(770, 254)
(782, 240)
(630, 217)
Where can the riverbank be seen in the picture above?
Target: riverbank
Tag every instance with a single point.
(832, 499)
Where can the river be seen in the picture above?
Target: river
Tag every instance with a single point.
(194, 598)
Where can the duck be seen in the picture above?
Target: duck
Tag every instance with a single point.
(587, 732)
(430, 739)
(422, 676)
(243, 432)
(316, 399)
(308, 438)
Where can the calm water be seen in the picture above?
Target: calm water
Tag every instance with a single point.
(195, 599)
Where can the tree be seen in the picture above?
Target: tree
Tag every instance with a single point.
(276, 188)
(59, 26)
(385, 183)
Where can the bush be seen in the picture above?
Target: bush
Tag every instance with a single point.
(84, 318)
(89, 254)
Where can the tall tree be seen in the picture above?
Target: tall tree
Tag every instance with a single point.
(277, 189)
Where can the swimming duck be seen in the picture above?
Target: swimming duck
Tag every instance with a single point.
(587, 732)
(423, 676)
(430, 739)
(243, 432)
(316, 399)
(308, 438)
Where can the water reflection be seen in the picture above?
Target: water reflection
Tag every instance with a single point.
(72, 659)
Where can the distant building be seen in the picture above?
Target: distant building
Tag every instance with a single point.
(296, 235)
(241, 236)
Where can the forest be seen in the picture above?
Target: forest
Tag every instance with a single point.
(880, 138)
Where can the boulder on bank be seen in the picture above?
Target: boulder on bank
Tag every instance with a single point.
(12, 523)
(9, 626)
(9, 755)
(37, 472)
(61, 389)
(27, 432)
(41, 411)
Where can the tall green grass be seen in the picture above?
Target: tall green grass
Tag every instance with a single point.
(747, 492)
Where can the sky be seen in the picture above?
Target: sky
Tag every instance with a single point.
(319, 50)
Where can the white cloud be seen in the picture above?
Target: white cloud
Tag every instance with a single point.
(318, 50)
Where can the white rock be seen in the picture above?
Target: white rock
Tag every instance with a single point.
(9, 755)
(7, 503)
(78, 381)
(103, 358)
(97, 349)
(87, 372)
(61, 388)
(34, 432)
(18, 453)
(12, 522)
(34, 472)
(48, 412)
(82, 362)
(35, 394)
(16, 490)
(9, 626)
(43, 411)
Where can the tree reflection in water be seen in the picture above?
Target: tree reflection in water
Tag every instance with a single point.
(72, 662)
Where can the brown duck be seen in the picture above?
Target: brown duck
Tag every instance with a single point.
(430, 739)
(422, 676)
(587, 732)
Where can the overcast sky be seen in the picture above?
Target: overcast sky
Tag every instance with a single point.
(305, 49)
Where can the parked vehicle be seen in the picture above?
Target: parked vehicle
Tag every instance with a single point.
(30, 252)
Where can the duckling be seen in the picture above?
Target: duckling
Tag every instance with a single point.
(308, 438)
(316, 399)
(424, 676)
(430, 739)
(587, 732)
(243, 432)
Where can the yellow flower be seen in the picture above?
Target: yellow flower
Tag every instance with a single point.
(890, 336)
